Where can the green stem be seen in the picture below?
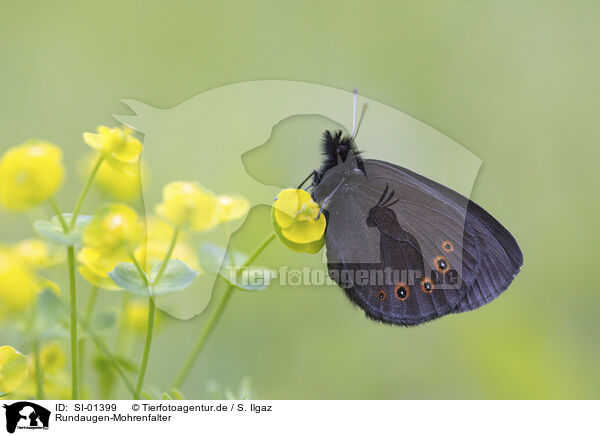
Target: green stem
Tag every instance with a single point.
(163, 266)
(91, 304)
(88, 318)
(119, 345)
(39, 377)
(104, 350)
(214, 318)
(74, 342)
(139, 269)
(147, 345)
(86, 188)
(151, 314)
(58, 213)
(73, 307)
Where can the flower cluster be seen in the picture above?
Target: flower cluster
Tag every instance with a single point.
(117, 248)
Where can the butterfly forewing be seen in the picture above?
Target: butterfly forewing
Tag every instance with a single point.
(408, 250)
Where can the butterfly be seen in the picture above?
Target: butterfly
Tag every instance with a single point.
(405, 248)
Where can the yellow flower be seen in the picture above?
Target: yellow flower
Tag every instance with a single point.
(121, 184)
(159, 235)
(111, 237)
(188, 205)
(118, 146)
(30, 173)
(18, 285)
(13, 369)
(114, 227)
(231, 207)
(297, 222)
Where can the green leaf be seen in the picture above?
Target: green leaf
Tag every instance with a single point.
(251, 279)
(166, 396)
(53, 231)
(177, 276)
(49, 310)
(48, 314)
(127, 276)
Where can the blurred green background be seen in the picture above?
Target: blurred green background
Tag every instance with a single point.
(514, 82)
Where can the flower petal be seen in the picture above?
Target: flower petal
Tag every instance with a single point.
(286, 207)
(93, 140)
(103, 282)
(302, 232)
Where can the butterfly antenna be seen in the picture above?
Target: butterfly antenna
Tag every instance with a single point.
(354, 99)
(312, 174)
(362, 115)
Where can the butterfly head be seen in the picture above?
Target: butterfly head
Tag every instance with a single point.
(336, 148)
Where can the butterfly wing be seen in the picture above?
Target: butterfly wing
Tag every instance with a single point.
(465, 254)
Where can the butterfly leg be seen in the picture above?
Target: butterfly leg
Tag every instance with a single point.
(311, 175)
(326, 200)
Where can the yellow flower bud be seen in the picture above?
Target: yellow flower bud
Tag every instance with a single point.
(121, 183)
(116, 145)
(231, 207)
(188, 205)
(30, 173)
(297, 222)
(13, 369)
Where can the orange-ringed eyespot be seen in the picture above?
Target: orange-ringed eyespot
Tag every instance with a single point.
(427, 285)
(401, 291)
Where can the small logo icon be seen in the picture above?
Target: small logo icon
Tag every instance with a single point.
(26, 415)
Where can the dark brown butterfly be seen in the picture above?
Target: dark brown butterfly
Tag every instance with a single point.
(404, 248)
